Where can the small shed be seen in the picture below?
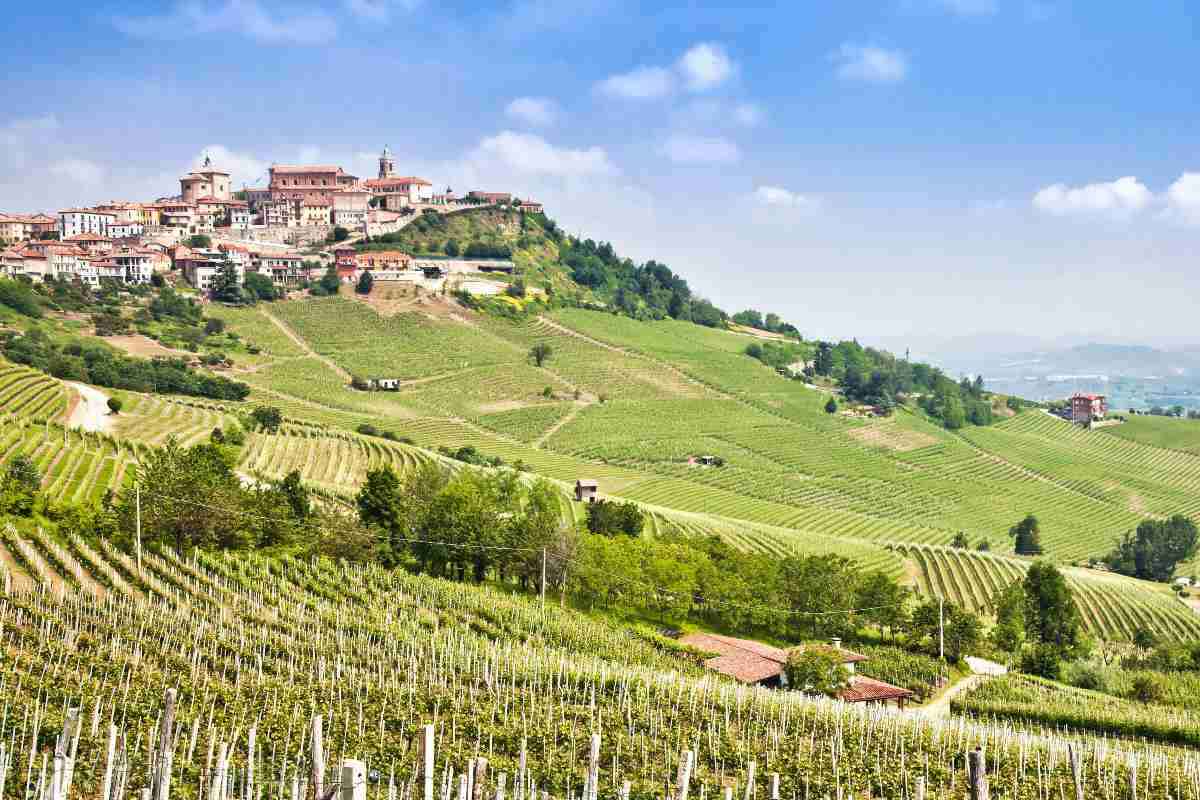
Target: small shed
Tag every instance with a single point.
(586, 490)
(388, 384)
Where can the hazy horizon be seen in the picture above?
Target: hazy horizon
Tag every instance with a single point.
(906, 169)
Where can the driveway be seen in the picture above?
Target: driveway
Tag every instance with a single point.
(91, 412)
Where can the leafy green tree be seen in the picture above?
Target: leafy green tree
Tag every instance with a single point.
(540, 353)
(813, 586)
(1156, 548)
(984, 545)
(1044, 660)
(953, 415)
(1051, 617)
(1027, 536)
(831, 406)
(267, 418)
(816, 671)
(340, 234)
(609, 518)
(961, 629)
(22, 473)
(1144, 638)
(1009, 632)
(261, 287)
(823, 362)
(883, 601)
(365, 282)
(199, 242)
(115, 404)
(960, 541)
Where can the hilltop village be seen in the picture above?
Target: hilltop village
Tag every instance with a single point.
(304, 220)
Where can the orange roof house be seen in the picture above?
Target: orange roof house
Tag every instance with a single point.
(749, 661)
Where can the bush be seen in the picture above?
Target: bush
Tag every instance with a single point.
(267, 418)
(831, 407)
(816, 671)
(109, 323)
(1088, 677)
(214, 326)
(115, 405)
(18, 296)
(1148, 688)
(1042, 660)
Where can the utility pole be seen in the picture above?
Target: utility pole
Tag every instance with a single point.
(941, 630)
(543, 593)
(137, 503)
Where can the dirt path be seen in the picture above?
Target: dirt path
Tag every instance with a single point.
(91, 412)
(553, 429)
(940, 706)
(303, 345)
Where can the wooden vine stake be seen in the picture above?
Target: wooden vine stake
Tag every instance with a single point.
(1076, 770)
(684, 776)
(161, 784)
(977, 773)
(427, 769)
(318, 757)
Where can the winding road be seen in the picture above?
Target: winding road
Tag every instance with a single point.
(91, 412)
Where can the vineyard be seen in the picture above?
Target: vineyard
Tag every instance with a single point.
(1112, 607)
(75, 467)
(30, 393)
(255, 648)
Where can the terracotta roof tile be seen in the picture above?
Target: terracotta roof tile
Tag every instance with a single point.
(863, 689)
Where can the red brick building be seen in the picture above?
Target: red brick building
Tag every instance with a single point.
(1087, 408)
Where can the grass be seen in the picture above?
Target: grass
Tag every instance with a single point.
(1165, 432)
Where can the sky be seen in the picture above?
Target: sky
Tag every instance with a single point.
(924, 169)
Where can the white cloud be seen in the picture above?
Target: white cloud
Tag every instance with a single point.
(871, 64)
(378, 10)
(1183, 199)
(525, 153)
(242, 167)
(748, 115)
(969, 8)
(1119, 199)
(19, 136)
(533, 110)
(643, 83)
(705, 66)
(684, 149)
(248, 18)
(778, 197)
(82, 171)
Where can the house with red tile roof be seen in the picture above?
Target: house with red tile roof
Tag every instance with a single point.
(748, 661)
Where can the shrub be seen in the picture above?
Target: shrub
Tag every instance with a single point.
(816, 671)
(115, 405)
(1042, 660)
(1148, 688)
(18, 296)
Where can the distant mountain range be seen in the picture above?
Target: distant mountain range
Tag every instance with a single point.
(1133, 376)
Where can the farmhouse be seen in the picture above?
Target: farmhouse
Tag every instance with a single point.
(1088, 408)
(754, 662)
(586, 490)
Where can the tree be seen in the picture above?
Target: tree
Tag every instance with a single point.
(610, 518)
(340, 234)
(214, 326)
(1027, 537)
(831, 406)
(267, 418)
(960, 541)
(540, 353)
(961, 630)
(984, 545)
(365, 282)
(816, 671)
(1044, 660)
(823, 362)
(199, 242)
(1144, 638)
(23, 474)
(226, 286)
(115, 405)
(1051, 617)
(1156, 548)
(1009, 632)
(883, 601)
(261, 287)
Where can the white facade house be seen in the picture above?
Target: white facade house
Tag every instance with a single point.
(75, 221)
(200, 268)
(135, 266)
(125, 230)
(240, 217)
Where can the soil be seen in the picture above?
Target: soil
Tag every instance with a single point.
(143, 346)
(91, 412)
(891, 437)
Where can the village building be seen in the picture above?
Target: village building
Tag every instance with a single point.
(208, 181)
(136, 265)
(74, 221)
(23, 227)
(350, 209)
(256, 196)
(315, 212)
(489, 198)
(90, 243)
(122, 211)
(384, 259)
(531, 207)
(284, 269)
(311, 184)
(68, 262)
(126, 230)
(586, 490)
(201, 267)
(1088, 408)
(381, 222)
(240, 216)
(106, 269)
(404, 192)
(753, 662)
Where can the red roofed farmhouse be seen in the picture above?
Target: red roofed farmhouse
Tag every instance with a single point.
(749, 661)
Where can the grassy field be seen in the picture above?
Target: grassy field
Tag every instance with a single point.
(1165, 432)
(630, 403)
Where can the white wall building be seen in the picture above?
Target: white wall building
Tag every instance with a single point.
(125, 230)
(75, 221)
(136, 266)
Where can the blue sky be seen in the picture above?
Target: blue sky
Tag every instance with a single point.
(880, 169)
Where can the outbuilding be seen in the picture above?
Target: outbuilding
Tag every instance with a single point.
(586, 490)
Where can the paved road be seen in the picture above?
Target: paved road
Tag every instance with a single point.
(940, 708)
(91, 413)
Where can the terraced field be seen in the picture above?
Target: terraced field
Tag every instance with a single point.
(1112, 607)
(75, 466)
(29, 393)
